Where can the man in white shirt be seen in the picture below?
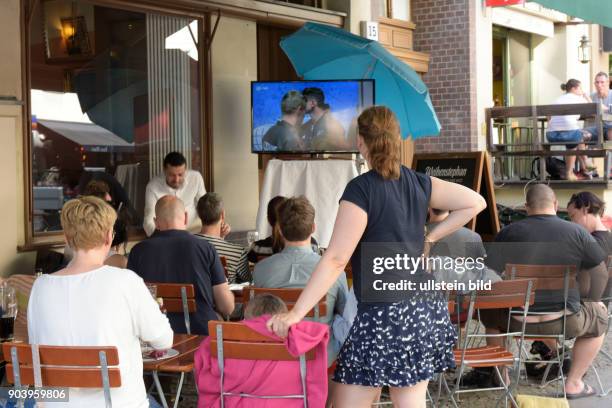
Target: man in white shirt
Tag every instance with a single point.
(176, 180)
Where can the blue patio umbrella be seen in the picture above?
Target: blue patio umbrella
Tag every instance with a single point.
(322, 52)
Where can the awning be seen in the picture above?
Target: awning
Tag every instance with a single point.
(592, 11)
(91, 137)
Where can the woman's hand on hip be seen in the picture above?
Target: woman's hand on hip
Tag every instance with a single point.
(280, 323)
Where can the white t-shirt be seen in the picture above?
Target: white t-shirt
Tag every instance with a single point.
(565, 122)
(105, 307)
(189, 193)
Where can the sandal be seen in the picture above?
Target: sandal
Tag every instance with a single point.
(587, 391)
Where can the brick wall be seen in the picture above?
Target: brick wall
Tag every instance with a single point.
(446, 30)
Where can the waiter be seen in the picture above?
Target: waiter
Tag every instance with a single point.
(178, 181)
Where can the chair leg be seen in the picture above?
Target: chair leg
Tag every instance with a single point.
(606, 354)
(160, 391)
(450, 393)
(604, 392)
(178, 390)
(507, 392)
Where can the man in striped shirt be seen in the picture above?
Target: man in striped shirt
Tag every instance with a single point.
(214, 230)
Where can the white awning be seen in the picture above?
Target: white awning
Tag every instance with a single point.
(92, 137)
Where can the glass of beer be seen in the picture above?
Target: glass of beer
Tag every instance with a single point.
(8, 305)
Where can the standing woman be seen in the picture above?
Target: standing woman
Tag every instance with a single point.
(402, 344)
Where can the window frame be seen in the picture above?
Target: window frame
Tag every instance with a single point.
(205, 23)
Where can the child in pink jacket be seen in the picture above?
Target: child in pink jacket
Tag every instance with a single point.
(260, 377)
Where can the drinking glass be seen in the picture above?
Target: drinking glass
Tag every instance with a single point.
(252, 236)
(153, 290)
(8, 306)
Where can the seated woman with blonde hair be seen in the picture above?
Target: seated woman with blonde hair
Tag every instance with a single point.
(92, 304)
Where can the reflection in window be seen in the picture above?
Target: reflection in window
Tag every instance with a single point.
(112, 92)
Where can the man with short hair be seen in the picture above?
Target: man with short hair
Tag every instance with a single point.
(293, 266)
(173, 255)
(603, 96)
(323, 131)
(283, 136)
(214, 230)
(545, 239)
(178, 181)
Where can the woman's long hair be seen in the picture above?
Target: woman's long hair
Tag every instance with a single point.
(380, 131)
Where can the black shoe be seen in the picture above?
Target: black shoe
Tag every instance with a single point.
(478, 378)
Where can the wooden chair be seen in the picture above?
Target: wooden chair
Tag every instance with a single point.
(63, 366)
(224, 263)
(178, 298)
(348, 270)
(548, 278)
(289, 296)
(512, 295)
(237, 341)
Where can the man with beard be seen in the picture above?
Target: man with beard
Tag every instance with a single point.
(323, 131)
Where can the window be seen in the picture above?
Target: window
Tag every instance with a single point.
(112, 92)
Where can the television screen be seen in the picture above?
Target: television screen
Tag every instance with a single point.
(308, 116)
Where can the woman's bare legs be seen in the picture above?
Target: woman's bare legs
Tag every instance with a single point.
(570, 162)
(409, 397)
(355, 396)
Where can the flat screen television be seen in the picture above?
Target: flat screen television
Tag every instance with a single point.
(308, 116)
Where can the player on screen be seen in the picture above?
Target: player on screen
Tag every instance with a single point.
(323, 131)
(284, 135)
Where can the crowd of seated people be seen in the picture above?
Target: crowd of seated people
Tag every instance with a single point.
(110, 304)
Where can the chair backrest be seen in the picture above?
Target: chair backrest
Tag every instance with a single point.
(560, 278)
(289, 296)
(237, 341)
(549, 277)
(178, 298)
(63, 366)
(506, 294)
(224, 263)
(241, 342)
(348, 270)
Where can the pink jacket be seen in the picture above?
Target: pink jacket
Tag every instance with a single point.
(267, 377)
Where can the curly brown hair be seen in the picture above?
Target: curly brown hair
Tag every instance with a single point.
(380, 131)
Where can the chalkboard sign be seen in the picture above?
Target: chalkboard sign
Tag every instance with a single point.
(472, 170)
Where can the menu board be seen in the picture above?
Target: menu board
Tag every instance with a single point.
(472, 170)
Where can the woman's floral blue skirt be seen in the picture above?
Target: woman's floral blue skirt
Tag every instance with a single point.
(397, 344)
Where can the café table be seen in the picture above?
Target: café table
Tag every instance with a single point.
(186, 345)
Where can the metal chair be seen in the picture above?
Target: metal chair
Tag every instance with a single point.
(549, 278)
(509, 295)
(63, 366)
(178, 298)
(237, 341)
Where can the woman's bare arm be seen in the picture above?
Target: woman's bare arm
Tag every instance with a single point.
(462, 202)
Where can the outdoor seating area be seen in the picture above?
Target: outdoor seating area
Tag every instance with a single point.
(306, 204)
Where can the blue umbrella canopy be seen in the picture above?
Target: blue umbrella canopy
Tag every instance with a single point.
(321, 52)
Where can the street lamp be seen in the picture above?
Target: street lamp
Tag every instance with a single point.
(584, 50)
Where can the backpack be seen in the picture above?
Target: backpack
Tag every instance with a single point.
(554, 167)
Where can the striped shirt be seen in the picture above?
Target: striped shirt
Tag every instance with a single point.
(237, 267)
